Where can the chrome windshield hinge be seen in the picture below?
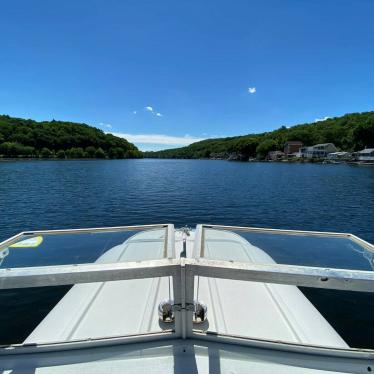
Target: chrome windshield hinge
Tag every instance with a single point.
(178, 307)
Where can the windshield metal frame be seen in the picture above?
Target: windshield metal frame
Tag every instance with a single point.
(183, 272)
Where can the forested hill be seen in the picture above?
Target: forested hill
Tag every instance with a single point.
(28, 138)
(350, 132)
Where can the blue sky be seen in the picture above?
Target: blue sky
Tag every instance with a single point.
(168, 73)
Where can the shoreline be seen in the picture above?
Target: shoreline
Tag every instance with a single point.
(10, 159)
(306, 161)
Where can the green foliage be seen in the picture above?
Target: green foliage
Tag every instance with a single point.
(100, 153)
(11, 149)
(351, 132)
(28, 138)
(75, 152)
(28, 151)
(264, 147)
(46, 153)
(90, 151)
(119, 153)
(363, 135)
(8, 149)
(116, 152)
(61, 154)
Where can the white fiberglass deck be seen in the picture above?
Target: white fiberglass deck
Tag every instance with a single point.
(256, 310)
(259, 310)
(174, 357)
(110, 308)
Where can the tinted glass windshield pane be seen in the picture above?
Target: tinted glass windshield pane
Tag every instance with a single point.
(84, 247)
(291, 249)
(324, 317)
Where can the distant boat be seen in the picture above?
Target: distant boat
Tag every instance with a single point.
(333, 162)
(361, 163)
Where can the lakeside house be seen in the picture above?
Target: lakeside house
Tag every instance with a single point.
(366, 155)
(318, 150)
(292, 147)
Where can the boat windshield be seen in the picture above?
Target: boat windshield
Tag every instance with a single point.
(316, 249)
(297, 287)
(347, 312)
(65, 247)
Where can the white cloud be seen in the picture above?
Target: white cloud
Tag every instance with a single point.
(107, 125)
(134, 112)
(151, 110)
(158, 139)
(251, 90)
(321, 119)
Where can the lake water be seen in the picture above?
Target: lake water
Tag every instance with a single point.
(72, 194)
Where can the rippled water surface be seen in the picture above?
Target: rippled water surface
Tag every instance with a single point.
(73, 194)
(70, 194)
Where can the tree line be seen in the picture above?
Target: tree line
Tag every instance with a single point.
(57, 139)
(351, 132)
